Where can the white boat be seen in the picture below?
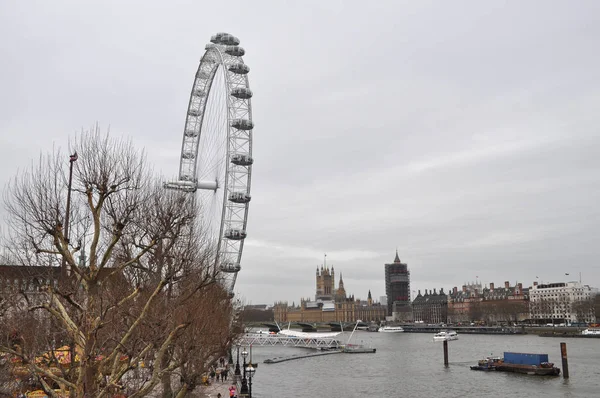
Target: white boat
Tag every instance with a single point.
(445, 336)
(591, 332)
(391, 329)
(306, 335)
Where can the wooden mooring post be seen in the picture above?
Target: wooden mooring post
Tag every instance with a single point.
(446, 353)
(565, 361)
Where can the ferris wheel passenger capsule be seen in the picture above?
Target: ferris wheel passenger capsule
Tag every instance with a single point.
(239, 197)
(239, 68)
(235, 234)
(191, 132)
(230, 267)
(236, 51)
(242, 124)
(225, 39)
(242, 92)
(194, 112)
(241, 159)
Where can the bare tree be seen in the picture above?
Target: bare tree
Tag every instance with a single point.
(584, 309)
(134, 302)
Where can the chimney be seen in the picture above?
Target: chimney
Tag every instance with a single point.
(455, 290)
(535, 283)
(520, 286)
(492, 286)
(464, 287)
(506, 284)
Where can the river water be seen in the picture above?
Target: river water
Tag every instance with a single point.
(412, 365)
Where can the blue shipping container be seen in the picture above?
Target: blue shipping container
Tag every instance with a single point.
(525, 359)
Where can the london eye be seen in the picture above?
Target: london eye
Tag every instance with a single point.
(216, 152)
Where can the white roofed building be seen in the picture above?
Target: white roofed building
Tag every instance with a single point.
(562, 302)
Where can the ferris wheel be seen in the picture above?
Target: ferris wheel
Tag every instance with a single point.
(216, 153)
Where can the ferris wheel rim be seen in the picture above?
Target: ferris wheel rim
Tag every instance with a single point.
(221, 57)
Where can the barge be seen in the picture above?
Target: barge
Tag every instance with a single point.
(517, 362)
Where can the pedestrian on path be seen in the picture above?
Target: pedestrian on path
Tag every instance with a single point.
(225, 373)
(232, 391)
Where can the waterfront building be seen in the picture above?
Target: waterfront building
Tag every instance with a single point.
(562, 302)
(476, 303)
(397, 290)
(430, 308)
(330, 304)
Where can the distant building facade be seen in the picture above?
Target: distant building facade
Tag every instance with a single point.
(562, 302)
(330, 304)
(397, 290)
(430, 308)
(476, 303)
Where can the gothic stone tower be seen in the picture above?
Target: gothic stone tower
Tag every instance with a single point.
(325, 283)
(340, 293)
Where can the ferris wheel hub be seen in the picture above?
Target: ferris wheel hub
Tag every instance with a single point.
(208, 185)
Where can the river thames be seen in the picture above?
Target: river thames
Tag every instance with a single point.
(412, 365)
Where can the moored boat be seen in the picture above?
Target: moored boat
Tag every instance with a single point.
(591, 332)
(445, 336)
(487, 364)
(391, 329)
(517, 362)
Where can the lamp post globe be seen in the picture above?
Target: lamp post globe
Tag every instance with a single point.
(251, 369)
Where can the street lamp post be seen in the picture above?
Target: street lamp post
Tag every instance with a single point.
(244, 388)
(63, 268)
(237, 371)
(72, 159)
(251, 369)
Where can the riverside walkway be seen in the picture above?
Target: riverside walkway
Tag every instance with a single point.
(217, 387)
(258, 339)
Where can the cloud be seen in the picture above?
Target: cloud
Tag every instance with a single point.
(427, 127)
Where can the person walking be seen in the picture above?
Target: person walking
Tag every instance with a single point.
(225, 373)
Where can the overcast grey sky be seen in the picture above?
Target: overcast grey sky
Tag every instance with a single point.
(463, 133)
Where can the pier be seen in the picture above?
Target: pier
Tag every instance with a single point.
(301, 356)
(259, 339)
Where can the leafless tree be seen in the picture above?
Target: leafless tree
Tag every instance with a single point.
(584, 309)
(144, 300)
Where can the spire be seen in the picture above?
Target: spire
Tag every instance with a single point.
(397, 259)
(369, 296)
(341, 281)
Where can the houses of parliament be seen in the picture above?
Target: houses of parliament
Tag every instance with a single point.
(330, 304)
